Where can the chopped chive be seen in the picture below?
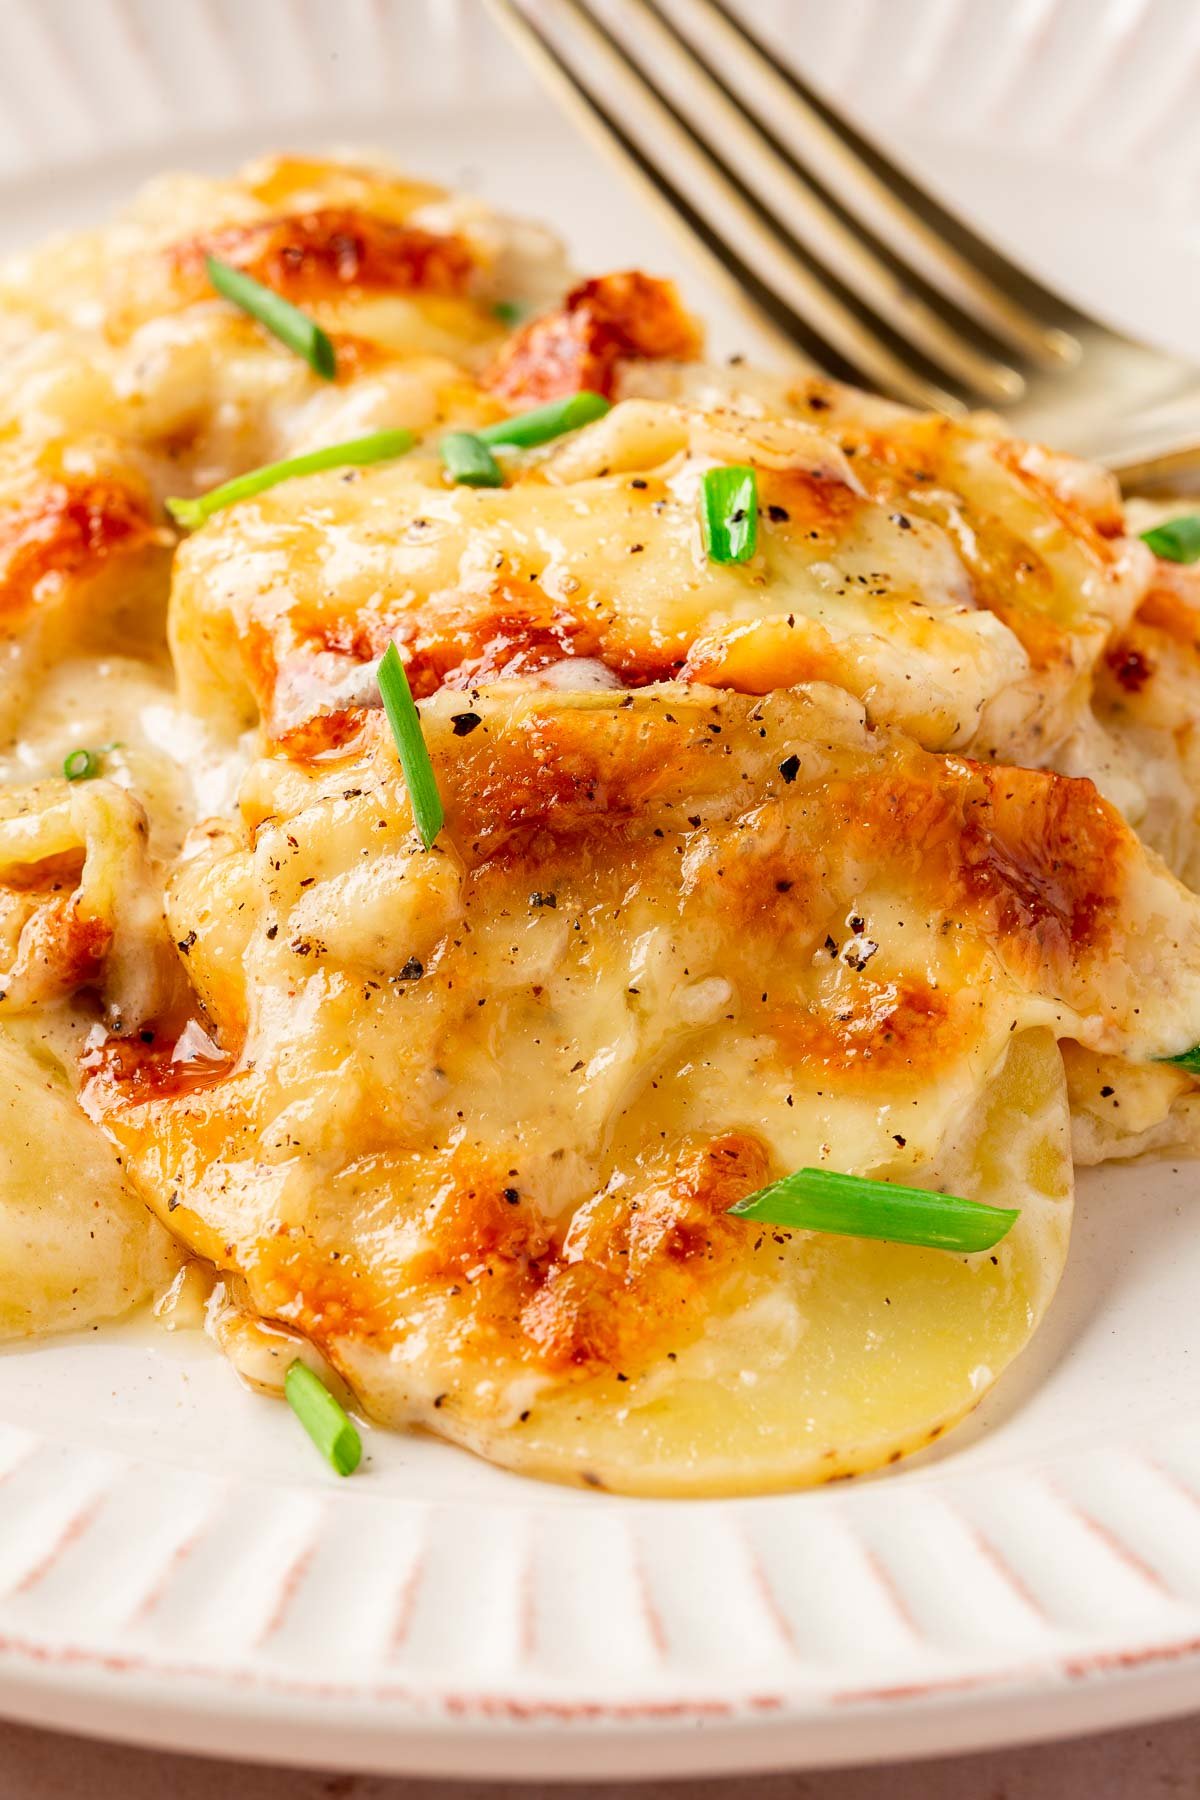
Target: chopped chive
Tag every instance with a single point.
(283, 320)
(1176, 540)
(729, 513)
(509, 312)
(378, 447)
(526, 429)
(854, 1206)
(405, 722)
(324, 1420)
(81, 765)
(1189, 1060)
(469, 461)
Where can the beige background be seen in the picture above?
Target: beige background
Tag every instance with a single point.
(1158, 1763)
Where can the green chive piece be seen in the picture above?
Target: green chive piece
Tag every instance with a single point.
(469, 461)
(853, 1206)
(380, 446)
(729, 513)
(405, 722)
(323, 1419)
(526, 429)
(81, 765)
(283, 320)
(1176, 540)
(1189, 1060)
(509, 312)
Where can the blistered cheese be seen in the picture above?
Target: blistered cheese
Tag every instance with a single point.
(814, 859)
(470, 1118)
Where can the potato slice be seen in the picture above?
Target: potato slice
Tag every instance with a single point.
(472, 1118)
(76, 1246)
(840, 1354)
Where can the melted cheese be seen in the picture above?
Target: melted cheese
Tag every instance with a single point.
(1148, 698)
(670, 946)
(909, 594)
(720, 892)
(127, 379)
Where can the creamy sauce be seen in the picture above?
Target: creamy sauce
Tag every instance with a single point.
(126, 709)
(728, 884)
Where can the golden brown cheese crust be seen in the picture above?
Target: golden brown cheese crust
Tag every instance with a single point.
(495, 1099)
(129, 379)
(1148, 699)
(923, 522)
(318, 230)
(335, 250)
(80, 903)
(1037, 556)
(474, 1118)
(1162, 639)
(84, 561)
(602, 323)
(924, 567)
(61, 527)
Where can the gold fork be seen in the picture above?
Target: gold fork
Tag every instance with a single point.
(842, 260)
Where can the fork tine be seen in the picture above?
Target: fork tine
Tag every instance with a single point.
(759, 167)
(813, 314)
(585, 111)
(949, 257)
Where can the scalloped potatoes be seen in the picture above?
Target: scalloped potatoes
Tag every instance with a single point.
(670, 946)
(746, 866)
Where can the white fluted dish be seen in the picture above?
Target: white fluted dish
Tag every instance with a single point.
(176, 1567)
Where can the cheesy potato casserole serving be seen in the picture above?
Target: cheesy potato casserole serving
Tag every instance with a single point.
(551, 891)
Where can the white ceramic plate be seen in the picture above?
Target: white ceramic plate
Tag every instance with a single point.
(175, 1566)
